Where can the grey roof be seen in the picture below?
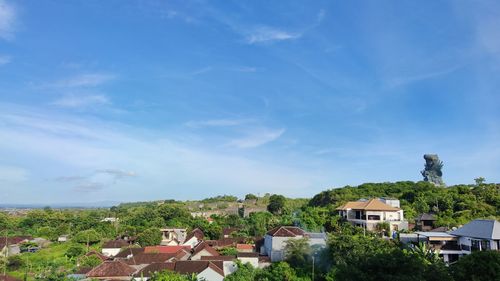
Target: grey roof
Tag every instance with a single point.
(484, 229)
(426, 217)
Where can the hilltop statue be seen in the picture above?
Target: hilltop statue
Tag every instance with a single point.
(432, 172)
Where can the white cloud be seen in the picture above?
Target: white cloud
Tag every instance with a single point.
(4, 59)
(66, 145)
(7, 20)
(264, 34)
(85, 80)
(257, 138)
(81, 101)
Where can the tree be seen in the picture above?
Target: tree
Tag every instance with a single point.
(14, 262)
(276, 204)
(172, 276)
(88, 237)
(394, 265)
(245, 272)
(279, 271)
(90, 261)
(478, 266)
(229, 251)
(298, 252)
(74, 251)
(479, 180)
(149, 237)
(250, 196)
(48, 232)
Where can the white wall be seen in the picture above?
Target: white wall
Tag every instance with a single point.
(110, 252)
(254, 261)
(209, 275)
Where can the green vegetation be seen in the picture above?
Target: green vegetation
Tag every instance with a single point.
(350, 255)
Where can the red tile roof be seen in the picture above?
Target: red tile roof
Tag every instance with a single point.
(144, 258)
(123, 254)
(189, 267)
(111, 269)
(198, 233)
(371, 205)
(97, 254)
(115, 244)
(218, 258)
(155, 267)
(245, 246)
(165, 249)
(204, 246)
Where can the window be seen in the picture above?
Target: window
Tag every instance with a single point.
(474, 245)
(485, 245)
(374, 217)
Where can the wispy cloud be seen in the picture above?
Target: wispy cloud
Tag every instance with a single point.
(262, 34)
(7, 20)
(118, 174)
(403, 80)
(69, 178)
(257, 138)
(4, 59)
(81, 101)
(202, 70)
(217, 123)
(85, 80)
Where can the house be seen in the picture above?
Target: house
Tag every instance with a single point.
(179, 252)
(369, 213)
(425, 222)
(275, 240)
(62, 238)
(147, 272)
(229, 266)
(173, 236)
(445, 244)
(203, 249)
(195, 237)
(10, 246)
(113, 247)
(479, 235)
(128, 253)
(204, 270)
(81, 273)
(112, 270)
(110, 219)
(251, 258)
(245, 248)
(96, 254)
(228, 232)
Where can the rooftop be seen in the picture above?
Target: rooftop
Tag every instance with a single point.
(483, 229)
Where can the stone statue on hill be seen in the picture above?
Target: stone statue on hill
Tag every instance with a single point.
(432, 172)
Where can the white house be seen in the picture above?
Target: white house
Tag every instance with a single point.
(204, 270)
(172, 236)
(276, 239)
(445, 244)
(194, 238)
(369, 213)
(203, 250)
(479, 235)
(113, 247)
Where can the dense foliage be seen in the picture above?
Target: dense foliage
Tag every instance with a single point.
(453, 206)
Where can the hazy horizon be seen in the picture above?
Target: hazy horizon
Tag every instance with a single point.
(144, 100)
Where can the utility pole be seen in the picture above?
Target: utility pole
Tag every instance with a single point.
(313, 268)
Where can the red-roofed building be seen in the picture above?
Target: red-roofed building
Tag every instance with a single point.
(203, 249)
(112, 270)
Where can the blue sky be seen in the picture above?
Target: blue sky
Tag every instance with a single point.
(143, 100)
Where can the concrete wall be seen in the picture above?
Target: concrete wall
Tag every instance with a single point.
(209, 275)
(110, 252)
